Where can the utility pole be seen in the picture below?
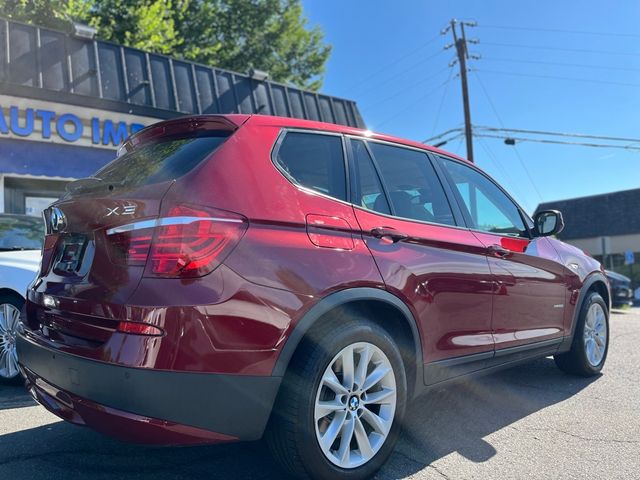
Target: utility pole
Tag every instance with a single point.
(460, 42)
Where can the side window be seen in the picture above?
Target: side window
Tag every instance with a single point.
(314, 161)
(487, 206)
(414, 189)
(368, 191)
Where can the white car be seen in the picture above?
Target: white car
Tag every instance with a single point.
(20, 252)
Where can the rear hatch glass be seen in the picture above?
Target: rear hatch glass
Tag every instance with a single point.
(160, 160)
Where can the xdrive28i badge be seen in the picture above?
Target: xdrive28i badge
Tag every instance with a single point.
(57, 220)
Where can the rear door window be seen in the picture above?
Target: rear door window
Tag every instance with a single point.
(414, 189)
(315, 161)
(161, 159)
(368, 193)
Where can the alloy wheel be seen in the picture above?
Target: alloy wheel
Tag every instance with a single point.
(355, 405)
(595, 334)
(9, 317)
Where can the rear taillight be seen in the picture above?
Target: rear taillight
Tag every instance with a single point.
(189, 242)
(131, 248)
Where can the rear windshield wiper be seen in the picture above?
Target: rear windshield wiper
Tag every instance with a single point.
(83, 184)
(16, 249)
(89, 184)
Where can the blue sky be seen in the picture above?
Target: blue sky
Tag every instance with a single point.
(389, 58)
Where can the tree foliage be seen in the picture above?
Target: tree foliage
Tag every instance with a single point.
(269, 35)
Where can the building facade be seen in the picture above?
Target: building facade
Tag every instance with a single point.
(605, 226)
(66, 103)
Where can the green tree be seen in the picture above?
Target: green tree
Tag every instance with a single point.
(270, 35)
(56, 14)
(148, 24)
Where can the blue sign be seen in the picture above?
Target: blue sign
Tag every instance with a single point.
(68, 126)
(629, 258)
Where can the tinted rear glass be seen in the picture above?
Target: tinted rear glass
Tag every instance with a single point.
(20, 232)
(161, 159)
(414, 189)
(315, 161)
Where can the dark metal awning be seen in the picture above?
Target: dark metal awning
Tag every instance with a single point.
(50, 65)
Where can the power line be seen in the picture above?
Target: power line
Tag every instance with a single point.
(555, 77)
(578, 50)
(526, 170)
(444, 95)
(404, 89)
(559, 134)
(504, 133)
(459, 144)
(394, 62)
(440, 135)
(399, 74)
(447, 140)
(419, 99)
(557, 30)
(561, 64)
(499, 166)
(495, 111)
(560, 142)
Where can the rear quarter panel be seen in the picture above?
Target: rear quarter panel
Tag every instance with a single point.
(276, 250)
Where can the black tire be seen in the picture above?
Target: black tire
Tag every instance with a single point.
(291, 433)
(17, 301)
(575, 360)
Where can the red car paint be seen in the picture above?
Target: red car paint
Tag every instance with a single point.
(298, 247)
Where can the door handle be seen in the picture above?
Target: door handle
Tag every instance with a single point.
(499, 251)
(393, 234)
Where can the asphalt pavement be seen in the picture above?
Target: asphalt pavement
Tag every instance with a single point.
(531, 421)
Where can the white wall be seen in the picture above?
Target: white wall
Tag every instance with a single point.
(617, 244)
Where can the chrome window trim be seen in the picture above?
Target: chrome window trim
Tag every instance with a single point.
(276, 148)
(166, 221)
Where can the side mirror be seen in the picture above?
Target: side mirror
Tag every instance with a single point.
(548, 222)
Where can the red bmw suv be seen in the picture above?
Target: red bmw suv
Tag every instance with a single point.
(233, 276)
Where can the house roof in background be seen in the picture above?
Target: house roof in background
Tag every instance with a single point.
(607, 214)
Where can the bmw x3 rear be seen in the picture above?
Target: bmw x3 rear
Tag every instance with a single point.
(231, 277)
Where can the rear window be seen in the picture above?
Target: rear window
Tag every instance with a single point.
(161, 159)
(314, 161)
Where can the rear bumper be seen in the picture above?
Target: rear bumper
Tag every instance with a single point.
(146, 405)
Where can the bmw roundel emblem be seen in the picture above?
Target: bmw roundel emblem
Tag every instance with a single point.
(57, 220)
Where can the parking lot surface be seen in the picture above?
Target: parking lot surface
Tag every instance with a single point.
(531, 421)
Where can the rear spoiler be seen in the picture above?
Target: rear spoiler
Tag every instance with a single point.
(183, 125)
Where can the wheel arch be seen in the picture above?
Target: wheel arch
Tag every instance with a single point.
(10, 291)
(385, 307)
(596, 282)
(601, 287)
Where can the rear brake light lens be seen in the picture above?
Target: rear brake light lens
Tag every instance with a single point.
(191, 242)
(131, 248)
(139, 328)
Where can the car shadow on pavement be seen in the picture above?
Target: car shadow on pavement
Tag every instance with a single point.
(14, 396)
(457, 418)
(452, 419)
